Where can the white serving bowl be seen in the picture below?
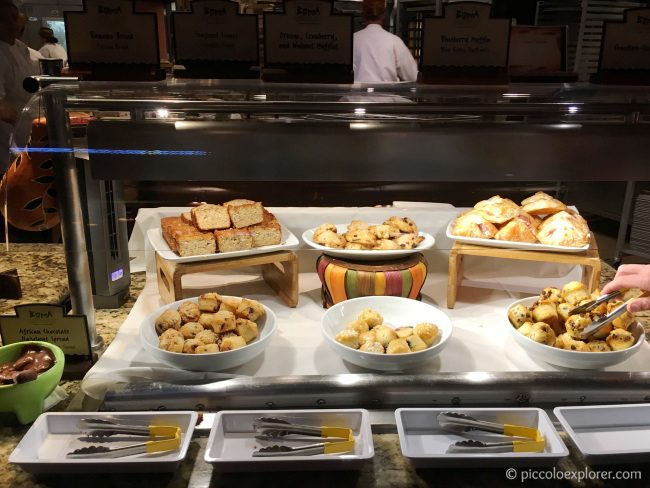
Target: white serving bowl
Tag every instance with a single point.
(572, 359)
(397, 312)
(215, 361)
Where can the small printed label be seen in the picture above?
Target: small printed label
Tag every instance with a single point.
(626, 44)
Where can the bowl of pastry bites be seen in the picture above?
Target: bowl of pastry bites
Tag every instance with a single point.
(546, 329)
(211, 332)
(385, 333)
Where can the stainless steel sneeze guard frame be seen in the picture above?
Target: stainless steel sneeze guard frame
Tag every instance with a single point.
(377, 391)
(522, 141)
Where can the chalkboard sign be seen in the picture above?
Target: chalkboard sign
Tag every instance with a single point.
(214, 40)
(309, 43)
(465, 43)
(111, 41)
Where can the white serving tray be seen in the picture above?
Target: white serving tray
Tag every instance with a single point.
(43, 449)
(366, 255)
(425, 443)
(232, 441)
(526, 246)
(289, 241)
(608, 434)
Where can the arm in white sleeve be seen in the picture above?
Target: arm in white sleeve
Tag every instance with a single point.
(407, 68)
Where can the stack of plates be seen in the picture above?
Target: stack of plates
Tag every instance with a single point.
(640, 236)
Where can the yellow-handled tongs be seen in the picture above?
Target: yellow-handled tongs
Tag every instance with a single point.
(520, 438)
(161, 438)
(335, 440)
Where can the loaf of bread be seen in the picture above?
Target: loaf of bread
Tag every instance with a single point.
(244, 214)
(187, 217)
(268, 232)
(185, 239)
(210, 217)
(233, 240)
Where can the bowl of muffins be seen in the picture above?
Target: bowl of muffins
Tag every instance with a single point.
(210, 332)
(546, 329)
(385, 333)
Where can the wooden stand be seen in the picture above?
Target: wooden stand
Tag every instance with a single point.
(279, 270)
(589, 260)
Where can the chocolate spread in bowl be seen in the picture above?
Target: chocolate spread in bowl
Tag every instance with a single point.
(33, 360)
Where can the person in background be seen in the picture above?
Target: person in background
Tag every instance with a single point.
(380, 56)
(51, 48)
(33, 53)
(632, 276)
(15, 66)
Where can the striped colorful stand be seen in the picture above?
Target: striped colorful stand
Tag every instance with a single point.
(344, 279)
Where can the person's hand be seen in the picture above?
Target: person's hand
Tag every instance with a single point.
(632, 276)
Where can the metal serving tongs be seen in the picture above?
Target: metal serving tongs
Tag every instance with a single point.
(518, 438)
(161, 438)
(460, 423)
(596, 325)
(336, 439)
(474, 446)
(589, 306)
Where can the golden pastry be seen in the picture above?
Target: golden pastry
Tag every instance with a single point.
(171, 340)
(574, 292)
(542, 333)
(229, 305)
(409, 241)
(250, 309)
(190, 330)
(544, 206)
(169, 319)
(497, 210)
(403, 224)
(209, 302)
(546, 311)
(247, 329)
(530, 221)
(370, 336)
(564, 311)
(371, 317)
(387, 245)
(540, 195)
(218, 322)
(563, 229)
(189, 312)
(330, 239)
(231, 343)
(565, 341)
(190, 345)
(416, 343)
(619, 339)
(427, 332)
(525, 328)
(384, 231)
(404, 332)
(361, 236)
(473, 224)
(516, 231)
(206, 349)
(358, 225)
(398, 346)
(355, 246)
(348, 337)
(519, 314)
(206, 337)
(360, 326)
(552, 294)
(372, 347)
(384, 335)
(598, 346)
(575, 324)
(323, 228)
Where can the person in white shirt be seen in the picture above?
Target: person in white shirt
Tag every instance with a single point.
(15, 66)
(33, 53)
(51, 48)
(379, 56)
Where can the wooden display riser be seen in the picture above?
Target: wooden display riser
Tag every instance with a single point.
(589, 260)
(279, 270)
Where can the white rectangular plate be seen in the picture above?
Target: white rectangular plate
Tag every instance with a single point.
(609, 433)
(425, 443)
(289, 241)
(527, 246)
(232, 441)
(43, 449)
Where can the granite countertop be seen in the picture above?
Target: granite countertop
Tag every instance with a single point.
(42, 271)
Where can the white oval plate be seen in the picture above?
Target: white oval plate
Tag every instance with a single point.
(365, 255)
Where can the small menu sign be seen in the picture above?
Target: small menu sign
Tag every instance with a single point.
(307, 33)
(626, 44)
(111, 32)
(465, 37)
(48, 323)
(215, 31)
(537, 49)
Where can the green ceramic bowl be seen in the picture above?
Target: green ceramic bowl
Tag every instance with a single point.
(26, 399)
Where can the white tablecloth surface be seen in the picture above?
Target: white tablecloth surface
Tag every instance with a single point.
(480, 340)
